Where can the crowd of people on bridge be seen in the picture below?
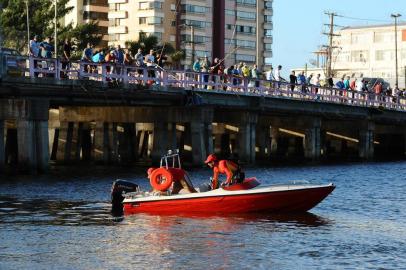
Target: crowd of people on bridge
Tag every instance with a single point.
(232, 77)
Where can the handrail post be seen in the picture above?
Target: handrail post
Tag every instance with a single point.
(57, 69)
(31, 66)
(104, 73)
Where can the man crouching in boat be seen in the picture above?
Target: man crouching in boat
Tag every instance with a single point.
(231, 169)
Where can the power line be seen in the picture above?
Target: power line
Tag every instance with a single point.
(362, 19)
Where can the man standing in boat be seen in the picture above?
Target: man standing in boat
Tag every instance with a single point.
(231, 169)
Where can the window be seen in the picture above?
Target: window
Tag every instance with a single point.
(267, 18)
(142, 20)
(194, 9)
(268, 47)
(268, 4)
(359, 56)
(149, 5)
(229, 12)
(249, 30)
(245, 43)
(384, 55)
(246, 15)
(268, 61)
(247, 2)
(93, 15)
(155, 20)
(197, 38)
(197, 24)
(358, 38)
(381, 37)
(245, 57)
(268, 32)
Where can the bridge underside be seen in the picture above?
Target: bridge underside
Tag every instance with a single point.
(112, 127)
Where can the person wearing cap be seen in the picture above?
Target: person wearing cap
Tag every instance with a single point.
(231, 169)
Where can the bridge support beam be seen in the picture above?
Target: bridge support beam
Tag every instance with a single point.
(26, 146)
(366, 141)
(2, 147)
(42, 145)
(263, 141)
(101, 143)
(246, 137)
(274, 141)
(113, 143)
(312, 140)
(201, 134)
(160, 137)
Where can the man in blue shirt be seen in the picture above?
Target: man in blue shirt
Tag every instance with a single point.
(340, 84)
(46, 48)
(119, 54)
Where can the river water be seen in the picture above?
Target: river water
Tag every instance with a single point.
(63, 221)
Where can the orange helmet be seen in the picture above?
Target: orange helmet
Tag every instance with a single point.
(210, 158)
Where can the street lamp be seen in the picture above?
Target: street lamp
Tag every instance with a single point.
(396, 16)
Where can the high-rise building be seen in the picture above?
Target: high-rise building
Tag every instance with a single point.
(236, 30)
(85, 11)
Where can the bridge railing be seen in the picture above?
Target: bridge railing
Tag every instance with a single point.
(108, 73)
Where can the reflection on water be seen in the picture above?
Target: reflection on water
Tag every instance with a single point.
(52, 212)
(65, 222)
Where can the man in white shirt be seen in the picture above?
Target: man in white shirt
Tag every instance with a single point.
(150, 60)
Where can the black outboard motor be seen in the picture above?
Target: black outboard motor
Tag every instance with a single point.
(119, 187)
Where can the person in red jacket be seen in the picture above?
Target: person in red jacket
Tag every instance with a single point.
(231, 169)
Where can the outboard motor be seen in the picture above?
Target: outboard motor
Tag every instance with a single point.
(119, 187)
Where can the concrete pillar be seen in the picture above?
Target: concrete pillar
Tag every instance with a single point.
(113, 143)
(62, 136)
(77, 139)
(209, 138)
(98, 143)
(197, 132)
(366, 141)
(27, 158)
(2, 147)
(159, 144)
(312, 140)
(42, 145)
(274, 140)
(246, 137)
(172, 139)
(263, 141)
(101, 143)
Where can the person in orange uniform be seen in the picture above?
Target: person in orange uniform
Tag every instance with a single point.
(227, 167)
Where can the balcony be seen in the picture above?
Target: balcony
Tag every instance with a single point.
(117, 15)
(117, 30)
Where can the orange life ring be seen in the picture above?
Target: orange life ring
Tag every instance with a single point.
(161, 179)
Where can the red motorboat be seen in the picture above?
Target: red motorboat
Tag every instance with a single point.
(246, 197)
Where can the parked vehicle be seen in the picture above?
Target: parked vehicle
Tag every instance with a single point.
(13, 62)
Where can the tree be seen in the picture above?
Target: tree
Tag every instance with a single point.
(13, 21)
(150, 42)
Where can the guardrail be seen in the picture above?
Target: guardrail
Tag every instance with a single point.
(113, 73)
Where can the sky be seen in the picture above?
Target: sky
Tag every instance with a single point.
(298, 24)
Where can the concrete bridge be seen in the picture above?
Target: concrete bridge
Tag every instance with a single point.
(121, 115)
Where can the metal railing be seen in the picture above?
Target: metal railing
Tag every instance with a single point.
(124, 75)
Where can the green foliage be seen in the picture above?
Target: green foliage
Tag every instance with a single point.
(145, 42)
(177, 56)
(13, 21)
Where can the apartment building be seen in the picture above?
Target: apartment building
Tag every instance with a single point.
(85, 11)
(237, 30)
(370, 51)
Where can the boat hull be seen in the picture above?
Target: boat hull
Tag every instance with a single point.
(260, 200)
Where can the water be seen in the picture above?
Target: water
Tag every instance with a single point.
(63, 221)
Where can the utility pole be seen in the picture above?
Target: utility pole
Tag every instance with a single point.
(330, 46)
(28, 26)
(192, 42)
(396, 16)
(55, 34)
